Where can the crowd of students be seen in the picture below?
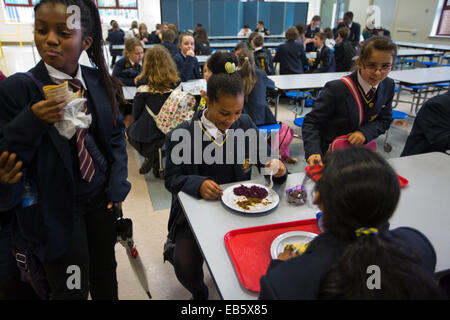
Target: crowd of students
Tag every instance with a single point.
(79, 183)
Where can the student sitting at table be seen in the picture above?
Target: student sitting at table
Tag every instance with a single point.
(245, 32)
(201, 42)
(291, 54)
(344, 51)
(241, 45)
(311, 30)
(358, 194)
(324, 61)
(431, 128)
(156, 83)
(187, 63)
(261, 29)
(359, 105)
(167, 39)
(129, 67)
(263, 56)
(143, 33)
(214, 128)
(256, 84)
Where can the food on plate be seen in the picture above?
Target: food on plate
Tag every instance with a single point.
(296, 248)
(251, 192)
(250, 202)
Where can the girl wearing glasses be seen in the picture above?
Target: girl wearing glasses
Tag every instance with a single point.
(358, 106)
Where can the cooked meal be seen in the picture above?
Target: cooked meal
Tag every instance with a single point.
(251, 192)
(249, 202)
(297, 248)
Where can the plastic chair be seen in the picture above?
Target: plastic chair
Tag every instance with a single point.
(270, 128)
(299, 121)
(396, 115)
(298, 96)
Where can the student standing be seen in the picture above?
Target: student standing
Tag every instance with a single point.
(116, 36)
(357, 193)
(359, 106)
(225, 101)
(355, 28)
(344, 51)
(324, 61)
(291, 54)
(187, 63)
(263, 56)
(79, 180)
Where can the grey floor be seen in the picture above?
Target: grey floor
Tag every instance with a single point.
(148, 202)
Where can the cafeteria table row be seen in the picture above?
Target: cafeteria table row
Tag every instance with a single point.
(424, 205)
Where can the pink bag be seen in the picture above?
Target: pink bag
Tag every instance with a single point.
(341, 142)
(285, 136)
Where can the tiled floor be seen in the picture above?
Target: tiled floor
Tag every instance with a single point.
(148, 202)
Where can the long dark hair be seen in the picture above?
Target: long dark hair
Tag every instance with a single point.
(248, 71)
(358, 188)
(91, 26)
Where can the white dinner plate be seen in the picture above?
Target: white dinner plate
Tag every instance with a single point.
(292, 237)
(230, 200)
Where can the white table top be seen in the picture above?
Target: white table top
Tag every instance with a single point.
(423, 205)
(306, 80)
(275, 36)
(421, 76)
(417, 52)
(233, 44)
(442, 47)
(122, 46)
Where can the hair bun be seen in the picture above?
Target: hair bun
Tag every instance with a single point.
(230, 67)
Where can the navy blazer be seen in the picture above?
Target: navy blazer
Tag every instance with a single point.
(291, 56)
(325, 61)
(256, 106)
(188, 67)
(188, 177)
(335, 113)
(115, 37)
(310, 34)
(124, 71)
(46, 228)
(343, 54)
(300, 277)
(171, 47)
(431, 128)
(355, 32)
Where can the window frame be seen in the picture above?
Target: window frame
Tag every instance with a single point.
(117, 6)
(30, 4)
(445, 7)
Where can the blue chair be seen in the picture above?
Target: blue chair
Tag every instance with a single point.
(299, 121)
(298, 96)
(270, 128)
(430, 63)
(396, 115)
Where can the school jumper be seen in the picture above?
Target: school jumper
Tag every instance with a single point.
(171, 47)
(256, 106)
(335, 113)
(431, 128)
(52, 229)
(343, 54)
(126, 71)
(325, 61)
(292, 58)
(202, 48)
(188, 67)
(355, 32)
(310, 34)
(283, 281)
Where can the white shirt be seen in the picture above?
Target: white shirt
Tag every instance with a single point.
(59, 77)
(365, 85)
(211, 128)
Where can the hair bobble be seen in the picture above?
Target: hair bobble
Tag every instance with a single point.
(230, 68)
(366, 231)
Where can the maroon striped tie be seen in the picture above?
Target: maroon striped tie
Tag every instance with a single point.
(371, 93)
(87, 167)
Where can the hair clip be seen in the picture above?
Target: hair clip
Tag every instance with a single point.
(230, 67)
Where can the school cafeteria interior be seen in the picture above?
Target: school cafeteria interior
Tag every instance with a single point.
(421, 71)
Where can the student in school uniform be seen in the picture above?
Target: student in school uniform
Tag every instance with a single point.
(357, 193)
(355, 28)
(311, 30)
(130, 66)
(245, 31)
(291, 54)
(324, 61)
(201, 42)
(359, 106)
(81, 181)
(263, 56)
(156, 83)
(143, 35)
(116, 36)
(261, 29)
(431, 128)
(344, 51)
(213, 127)
(187, 63)
(167, 40)
(256, 84)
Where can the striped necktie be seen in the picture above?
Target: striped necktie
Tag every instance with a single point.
(87, 167)
(371, 93)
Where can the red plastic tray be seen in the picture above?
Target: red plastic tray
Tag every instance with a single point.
(249, 248)
(315, 173)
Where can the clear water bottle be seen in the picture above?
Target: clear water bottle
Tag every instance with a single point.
(29, 195)
(319, 220)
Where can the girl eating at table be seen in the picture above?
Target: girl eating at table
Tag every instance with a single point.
(215, 125)
(357, 107)
(358, 193)
(187, 63)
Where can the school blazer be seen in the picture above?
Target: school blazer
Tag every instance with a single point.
(291, 56)
(431, 129)
(355, 32)
(325, 61)
(46, 228)
(187, 178)
(188, 67)
(300, 277)
(343, 54)
(124, 71)
(335, 113)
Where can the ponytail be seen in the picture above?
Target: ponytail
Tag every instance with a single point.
(248, 72)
